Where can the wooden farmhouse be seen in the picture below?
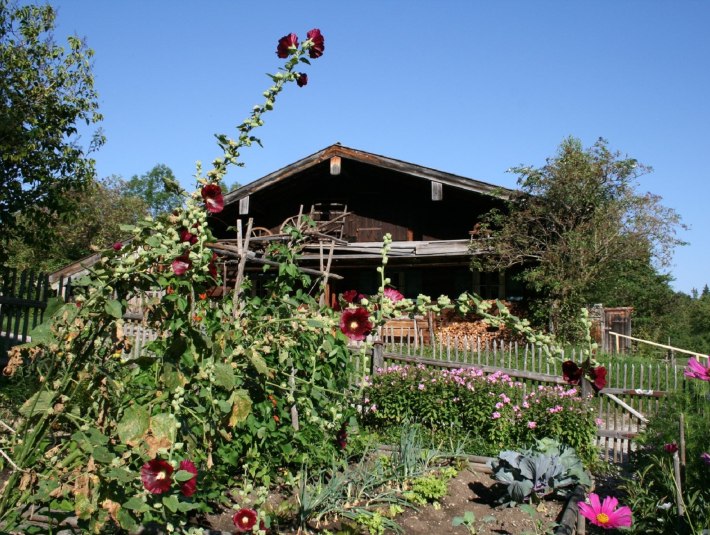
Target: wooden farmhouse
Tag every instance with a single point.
(355, 198)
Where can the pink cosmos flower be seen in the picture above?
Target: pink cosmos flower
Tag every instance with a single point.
(245, 520)
(695, 370)
(155, 476)
(117, 246)
(605, 514)
(214, 200)
(355, 323)
(181, 264)
(532, 425)
(302, 79)
(671, 447)
(318, 45)
(287, 45)
(393, 295)
(188, 487)
(495, 415)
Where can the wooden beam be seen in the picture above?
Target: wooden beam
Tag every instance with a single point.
(244, 205)
(335, 164)
(437, 191)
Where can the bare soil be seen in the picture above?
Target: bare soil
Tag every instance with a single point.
(468, 491)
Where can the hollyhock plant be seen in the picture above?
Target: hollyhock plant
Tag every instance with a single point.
(181, 264)
(155, 476)
(393, 295)
(355, 323)
(302, 79)
(695, 370)
(212, 267)
(214, 200)
(605, 514)
(351, 296)
(287, 45)
(318, 46)
(598, 377)
(188, 488)
(245, 520)
(571, 372)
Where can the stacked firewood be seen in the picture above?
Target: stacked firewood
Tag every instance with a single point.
(453, 326)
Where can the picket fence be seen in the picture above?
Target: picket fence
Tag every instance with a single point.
(23, 299)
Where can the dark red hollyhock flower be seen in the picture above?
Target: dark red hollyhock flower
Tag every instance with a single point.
(186, 235)
(351, 296)
(212, 266)
(117, 246)
(214, 201)
(155, 476)
(285, 43)
(342, 438)
(318, 45)
(181, 264)
(302, 79)
(672, 447)
(188, 487)
(598, 377)
(571, 372)
(244, 520)
(355, 323)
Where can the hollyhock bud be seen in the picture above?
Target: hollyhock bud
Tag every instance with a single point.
(302, 79)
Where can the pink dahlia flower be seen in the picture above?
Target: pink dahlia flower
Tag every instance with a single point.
(155, 476)
(287, 45)
(188, 487)
(318, 45)
(605, 514)
(695, 370)
(355, 323)
(245, 520)
(214, 200)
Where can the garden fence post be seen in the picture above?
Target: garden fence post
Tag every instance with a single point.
(378, 359)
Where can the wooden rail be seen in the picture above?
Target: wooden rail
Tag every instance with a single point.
(648, 342)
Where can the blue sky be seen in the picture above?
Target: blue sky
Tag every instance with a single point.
(467, 87)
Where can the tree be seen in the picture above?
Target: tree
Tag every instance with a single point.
(155, 188)
(572, 221)
(102, 208)
(45, 92)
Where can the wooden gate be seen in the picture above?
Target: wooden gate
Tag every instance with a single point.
(23, 298)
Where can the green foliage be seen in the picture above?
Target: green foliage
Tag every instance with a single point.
(548, 469)
(100, 210)
(573, 222)
(46, 92)
(652, 492)
(491, 412)
(157, 188)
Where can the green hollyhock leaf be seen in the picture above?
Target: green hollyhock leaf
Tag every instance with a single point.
(114, 308)
(164, 426)
(184, 507)
(241, 407)
(133, 425)
(259, 363)
(171, 503)
(103, 455)
(39, 403)
(183, 475)
(125, 519)
(136, 504)
(224, 376)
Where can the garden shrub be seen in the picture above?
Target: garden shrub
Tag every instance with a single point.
(469, 403)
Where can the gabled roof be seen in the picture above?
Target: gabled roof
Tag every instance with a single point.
(376, 160)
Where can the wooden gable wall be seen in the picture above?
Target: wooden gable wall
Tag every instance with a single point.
(379, 200)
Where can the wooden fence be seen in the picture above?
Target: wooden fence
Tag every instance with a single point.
(23, 299)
